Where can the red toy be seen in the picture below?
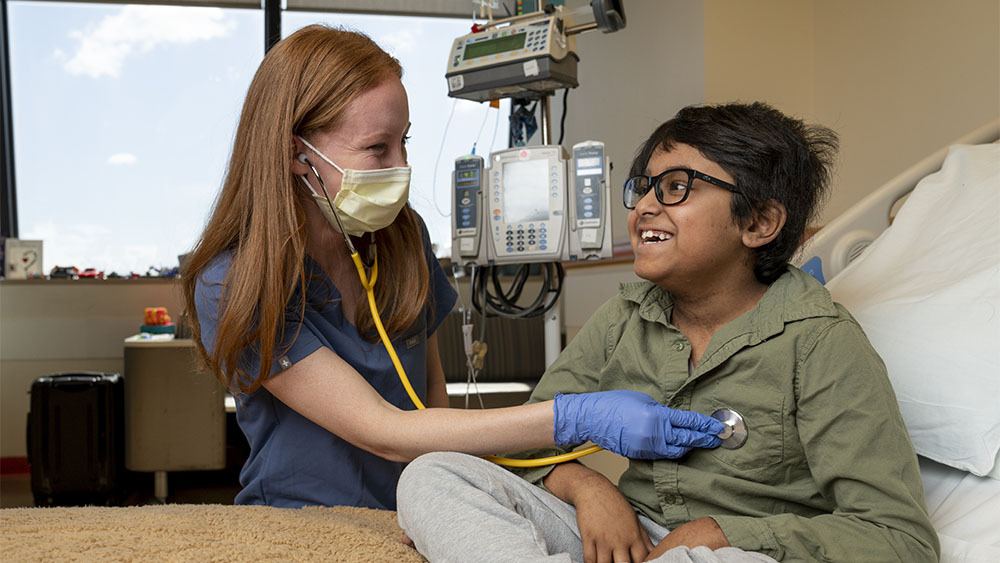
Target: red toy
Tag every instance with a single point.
(157, 321)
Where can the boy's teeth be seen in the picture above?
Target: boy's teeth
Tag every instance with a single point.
(655, 236)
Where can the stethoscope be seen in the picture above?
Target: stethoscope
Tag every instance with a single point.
(733, 437)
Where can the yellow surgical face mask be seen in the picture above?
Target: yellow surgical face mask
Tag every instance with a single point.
(368, 200)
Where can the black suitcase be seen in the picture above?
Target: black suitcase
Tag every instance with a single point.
(76, 438)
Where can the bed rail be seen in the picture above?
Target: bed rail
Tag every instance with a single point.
(842, 240)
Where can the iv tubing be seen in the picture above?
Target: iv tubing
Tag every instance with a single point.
(369, 286)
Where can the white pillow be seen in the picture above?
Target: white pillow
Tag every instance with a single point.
(927, 293)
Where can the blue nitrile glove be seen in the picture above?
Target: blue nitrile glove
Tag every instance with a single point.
(632, 424)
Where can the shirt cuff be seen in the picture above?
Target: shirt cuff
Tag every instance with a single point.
(749, 534)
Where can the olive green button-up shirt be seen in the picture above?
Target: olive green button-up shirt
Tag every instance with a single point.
(827, 472)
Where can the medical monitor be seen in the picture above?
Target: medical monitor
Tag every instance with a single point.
(526, 204)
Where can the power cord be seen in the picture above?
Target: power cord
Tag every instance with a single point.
(503, 302)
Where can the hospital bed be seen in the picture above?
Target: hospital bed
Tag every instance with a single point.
(925, 285)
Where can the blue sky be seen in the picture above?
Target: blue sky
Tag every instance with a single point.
(124, 117)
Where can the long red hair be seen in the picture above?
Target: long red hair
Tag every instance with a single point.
(303, 86)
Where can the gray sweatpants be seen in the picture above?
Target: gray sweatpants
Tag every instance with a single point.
(457, 507)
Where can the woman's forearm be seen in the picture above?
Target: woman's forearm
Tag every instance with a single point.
(403, 435)
(325, 389)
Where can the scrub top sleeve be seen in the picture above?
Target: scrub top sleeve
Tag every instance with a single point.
(207, 296)
(298, 343)
(443, 295)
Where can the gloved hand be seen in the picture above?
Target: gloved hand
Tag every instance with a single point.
(632, 424)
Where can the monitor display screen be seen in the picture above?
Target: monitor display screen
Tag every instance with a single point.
(526, 191)
(589, 166)
(466, 179)
(494, 46)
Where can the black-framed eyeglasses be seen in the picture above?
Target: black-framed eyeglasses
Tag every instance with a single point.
(671, 186)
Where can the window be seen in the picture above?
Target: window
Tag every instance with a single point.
(124, 117)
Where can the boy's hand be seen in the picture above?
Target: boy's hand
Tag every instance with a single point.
(631, 424)
(609, 528)
(703, 531)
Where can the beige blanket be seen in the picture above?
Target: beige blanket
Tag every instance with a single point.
(201, 532)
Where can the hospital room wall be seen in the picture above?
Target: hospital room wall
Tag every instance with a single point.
(897, 79)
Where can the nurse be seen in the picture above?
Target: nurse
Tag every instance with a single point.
(282, 320)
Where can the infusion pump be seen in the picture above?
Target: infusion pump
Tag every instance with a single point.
(530, 57)
(531, 204)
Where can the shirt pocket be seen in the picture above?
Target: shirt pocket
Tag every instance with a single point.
(765, 444)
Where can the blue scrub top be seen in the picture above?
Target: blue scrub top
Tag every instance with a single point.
(294, 462)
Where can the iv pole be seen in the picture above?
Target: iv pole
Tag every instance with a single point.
(553, 318)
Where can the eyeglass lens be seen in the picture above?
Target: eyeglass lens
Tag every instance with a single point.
(670, 189)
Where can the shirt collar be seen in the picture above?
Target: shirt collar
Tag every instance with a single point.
(792, 297)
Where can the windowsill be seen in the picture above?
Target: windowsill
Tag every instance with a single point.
(87, 281)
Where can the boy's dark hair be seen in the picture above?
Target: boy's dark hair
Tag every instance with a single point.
(770, 156)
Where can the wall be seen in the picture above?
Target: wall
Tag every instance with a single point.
(58, 326)
(900, 79)
(897, 79)
(761, 51)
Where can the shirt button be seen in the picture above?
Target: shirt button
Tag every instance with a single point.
(670, 499)
(679, 346)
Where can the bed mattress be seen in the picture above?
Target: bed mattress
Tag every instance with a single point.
(965, 510)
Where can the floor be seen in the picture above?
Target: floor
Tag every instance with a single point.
(183, 487)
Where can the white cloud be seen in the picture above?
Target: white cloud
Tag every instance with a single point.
(399, 43)
(103, 48)
(121, 158)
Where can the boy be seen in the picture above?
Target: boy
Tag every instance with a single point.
(719, 199)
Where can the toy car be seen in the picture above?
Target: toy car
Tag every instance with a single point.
(64, 273)
(92, 274)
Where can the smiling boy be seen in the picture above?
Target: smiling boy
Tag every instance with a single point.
(719, 198)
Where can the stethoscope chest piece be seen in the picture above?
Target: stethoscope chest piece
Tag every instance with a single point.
(735, 434)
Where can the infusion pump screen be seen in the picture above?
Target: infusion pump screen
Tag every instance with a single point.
(474, 50)
(525, 191)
